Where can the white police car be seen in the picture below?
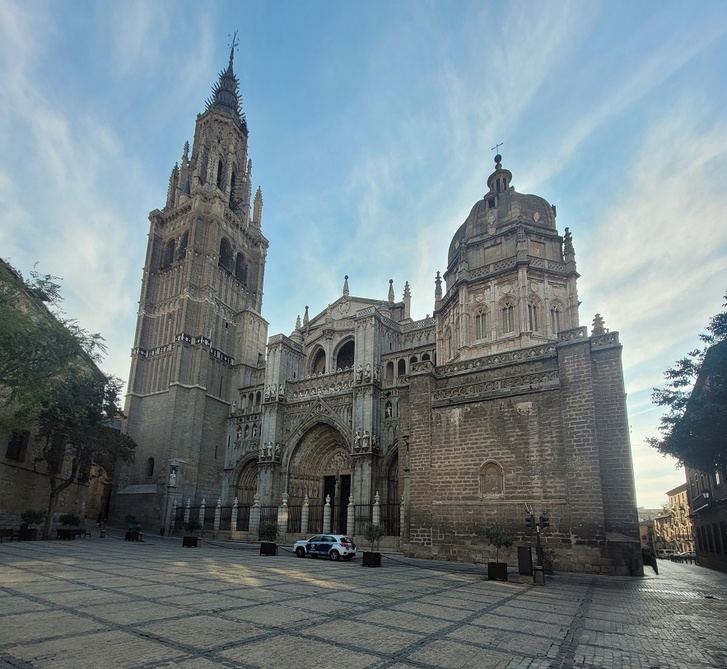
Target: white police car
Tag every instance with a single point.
(333, 546)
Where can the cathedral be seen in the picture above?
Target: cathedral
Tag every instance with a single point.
(433, 428)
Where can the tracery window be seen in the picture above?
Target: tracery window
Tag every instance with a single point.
(401, 368)
(241, 269)
(491, 479)
(533, 317)
(225, 260)
(221, 175)
(182, 248)
(319, 362)
(481, 325)
(508, 318)
(447, 344)
(555, 319)
(345, 356)
(389, 372)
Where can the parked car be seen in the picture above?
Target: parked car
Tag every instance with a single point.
(665, 553)
(334, 546)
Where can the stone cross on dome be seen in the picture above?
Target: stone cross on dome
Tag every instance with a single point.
(498, 157)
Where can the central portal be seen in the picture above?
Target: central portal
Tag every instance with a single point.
(321, 466)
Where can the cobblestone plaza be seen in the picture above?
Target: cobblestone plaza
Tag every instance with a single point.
(107, 603)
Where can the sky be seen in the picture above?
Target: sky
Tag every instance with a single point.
(371, 126)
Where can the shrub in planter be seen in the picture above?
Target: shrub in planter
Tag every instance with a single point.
(30, 518)
(190, 538)
(268, 534)
(373, 534)
(498, 537)
(69, 520)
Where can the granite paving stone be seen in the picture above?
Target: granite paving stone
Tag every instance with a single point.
(109, 603)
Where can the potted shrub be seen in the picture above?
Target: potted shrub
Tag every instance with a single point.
(498, 537)
(268, 534)
(70, 522)
(30, 518)
(373, 535)
(190, 538)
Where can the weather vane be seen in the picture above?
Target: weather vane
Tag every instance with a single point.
(234, 43)
(497, 146)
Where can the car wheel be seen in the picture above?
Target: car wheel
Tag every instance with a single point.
(300, 551)
(334, 555)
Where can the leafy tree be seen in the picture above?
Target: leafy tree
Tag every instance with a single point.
(50, 379)
(498, 537)
(694, 430)
(373, 534)
(36, 342)
(74, 430)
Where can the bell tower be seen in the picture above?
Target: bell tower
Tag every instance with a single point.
(199, 332)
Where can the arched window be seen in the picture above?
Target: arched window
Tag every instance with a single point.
(533, 317)
(319, 362)
(413, 359)
(481, 325)
(221, 175)
(389, 372)
(508, 318)
(241, 269)
(447, 344)
(555, 319)
(204, 163)
(182, 248)
(491, 480)
(168, 254)
(345, 355)
(233, 184)
(225, 260)
(401, 368)
(149, 468)
(425, 357)
(258, 398)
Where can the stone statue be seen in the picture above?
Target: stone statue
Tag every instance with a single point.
(172, 478)
(365, 440)
(359, 374)
(357, 441)
(388, 410)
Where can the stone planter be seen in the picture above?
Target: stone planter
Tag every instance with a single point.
(497, 571)
(371, 559)
(190, 542)
(66, 534)
(268, 548)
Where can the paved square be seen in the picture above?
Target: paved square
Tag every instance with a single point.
(107, 603)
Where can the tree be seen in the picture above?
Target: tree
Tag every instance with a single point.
(498, 537)
(75, 431)
(36, 342)
(694, 431)
(50, 380)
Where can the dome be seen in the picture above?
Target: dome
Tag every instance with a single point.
(501, 206)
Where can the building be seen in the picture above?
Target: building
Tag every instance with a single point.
(707, 490)
(432, 427)
(24, 476)
(673, 527)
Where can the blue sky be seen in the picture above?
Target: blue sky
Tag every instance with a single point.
(370, 133)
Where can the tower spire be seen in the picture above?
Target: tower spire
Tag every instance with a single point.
(225, 96)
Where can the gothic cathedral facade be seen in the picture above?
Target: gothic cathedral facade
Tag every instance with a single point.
(433, 428)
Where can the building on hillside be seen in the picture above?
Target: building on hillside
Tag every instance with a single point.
(707, 490)
(673, 527)
(431, 427)
(23, 478)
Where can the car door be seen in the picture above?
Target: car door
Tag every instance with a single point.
(326, 544)
(313, 544)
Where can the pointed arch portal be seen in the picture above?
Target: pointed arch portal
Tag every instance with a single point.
(321, 466)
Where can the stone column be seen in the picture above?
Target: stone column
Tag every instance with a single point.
(283, 516)
(304, 516)
(255, 517)
(327, 515)
(233, 516)
(202, 508)
(376, 511)
(402, 517)
(350, 516)
(173, 519)
(187, 510)
(218, 513)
